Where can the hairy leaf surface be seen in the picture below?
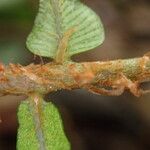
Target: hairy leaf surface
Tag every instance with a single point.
(42, 130)
(54, 22)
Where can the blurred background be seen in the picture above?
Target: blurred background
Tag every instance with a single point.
(91, 122)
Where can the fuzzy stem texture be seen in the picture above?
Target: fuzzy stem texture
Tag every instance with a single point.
(106, 78)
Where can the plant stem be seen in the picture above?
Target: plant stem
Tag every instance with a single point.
(117, 74)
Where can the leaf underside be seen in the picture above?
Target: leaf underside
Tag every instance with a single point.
(57, 17)
(51, 126)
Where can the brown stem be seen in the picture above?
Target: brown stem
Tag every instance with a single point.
(116, 75)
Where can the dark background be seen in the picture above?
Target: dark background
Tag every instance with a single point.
(91, 122)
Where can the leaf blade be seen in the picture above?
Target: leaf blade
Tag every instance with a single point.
(55, 18)
(51, 126)
(26, 138)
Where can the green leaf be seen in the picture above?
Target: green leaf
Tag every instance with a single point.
(64, 26)
(42, 129)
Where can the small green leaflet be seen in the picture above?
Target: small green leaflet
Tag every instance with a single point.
(46, 134)
(53, 24)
